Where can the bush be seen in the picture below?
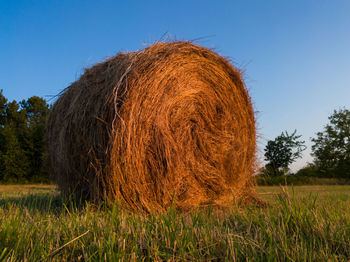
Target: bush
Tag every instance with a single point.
(282, 180)
(309, 171)
(296, 180)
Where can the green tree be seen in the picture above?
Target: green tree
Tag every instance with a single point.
(283, 151)
(13, 159)
(14, 162)
(36, 111)
(22, 131)
(331, 148)
(3, 102)
(15, 117)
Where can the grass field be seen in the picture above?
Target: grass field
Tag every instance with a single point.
(305, 223)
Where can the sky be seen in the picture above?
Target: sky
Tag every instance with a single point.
(295, 53)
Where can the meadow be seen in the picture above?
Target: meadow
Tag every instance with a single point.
(302, 223)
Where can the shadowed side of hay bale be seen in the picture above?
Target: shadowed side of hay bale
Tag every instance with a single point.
(79, 130)
(171, 123)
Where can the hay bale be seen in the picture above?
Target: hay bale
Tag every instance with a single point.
(170, 123)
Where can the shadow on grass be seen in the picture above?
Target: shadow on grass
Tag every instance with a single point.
(41, 202)
(41, 188)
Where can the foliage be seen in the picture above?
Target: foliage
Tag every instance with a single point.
(22, 128)
(37, 111)
(14, 163)
(281, 179)
(308, 171)
(299, 180)
(3, 102)
(331, 148)
(296, 226)
(282, 151)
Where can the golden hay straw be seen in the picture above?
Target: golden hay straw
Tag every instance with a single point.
(172, 123)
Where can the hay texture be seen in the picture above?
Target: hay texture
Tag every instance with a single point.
(171, 124)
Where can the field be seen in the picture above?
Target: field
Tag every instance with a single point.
(304, 223)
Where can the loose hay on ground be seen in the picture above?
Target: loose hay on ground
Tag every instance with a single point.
(172, 123)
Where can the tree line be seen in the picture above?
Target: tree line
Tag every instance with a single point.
(22, 145)
(23, 155)
(330, 149)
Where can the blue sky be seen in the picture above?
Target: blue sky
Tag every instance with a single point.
(296, 53)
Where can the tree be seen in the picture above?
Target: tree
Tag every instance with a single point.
(3, 102)
(283, 151)
(13, 159)
(14, 163)
(22, 131)
(36, 110)
(331, 148)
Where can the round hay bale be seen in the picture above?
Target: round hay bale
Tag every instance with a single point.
(171, 124)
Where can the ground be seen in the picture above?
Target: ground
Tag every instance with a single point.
(300, 223)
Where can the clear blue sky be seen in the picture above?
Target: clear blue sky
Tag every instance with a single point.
(296, 53)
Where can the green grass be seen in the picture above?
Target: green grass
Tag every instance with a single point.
(306, 223)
